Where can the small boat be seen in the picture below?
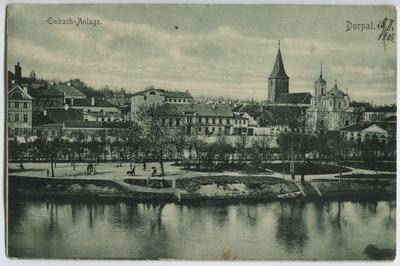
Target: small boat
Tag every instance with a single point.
(292, 195)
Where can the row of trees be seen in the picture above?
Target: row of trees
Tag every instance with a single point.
(151, 138)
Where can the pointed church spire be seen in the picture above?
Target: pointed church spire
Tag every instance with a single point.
(279, 69)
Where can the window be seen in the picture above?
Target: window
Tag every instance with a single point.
(9, 117)
(184, 100)
(207, 120)
(152, 93)
(145, 98)
(220, 120)
(330, 103)
(199, 129)
(213, 120)
(17, 131)
(25, 118)
(170, 100)
(179, 100)
(25, 131)
(213, 129)
(178, 122)
(16, 104)
(9, 104)
(174, 100)
(16, 118)
(227, 121)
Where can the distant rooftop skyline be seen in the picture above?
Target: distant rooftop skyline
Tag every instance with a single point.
(209, 50)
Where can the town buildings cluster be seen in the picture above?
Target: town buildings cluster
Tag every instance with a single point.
(44, 109)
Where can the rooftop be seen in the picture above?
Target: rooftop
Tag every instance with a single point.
(294, 98)
(88, 102)
(70, 91)
(167, 93)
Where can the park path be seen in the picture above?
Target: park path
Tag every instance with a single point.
(107, 171)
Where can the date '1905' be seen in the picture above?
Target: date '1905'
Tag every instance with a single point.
(386, 25)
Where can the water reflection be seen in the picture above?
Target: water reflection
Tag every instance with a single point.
(292, 232)
(275, 230)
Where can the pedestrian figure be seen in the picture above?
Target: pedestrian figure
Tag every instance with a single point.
(94, 169)
(21, 166)
(293, 177)
(154, 172)
(144, 166)
(88, 169)
(48, 172)
(302, 178)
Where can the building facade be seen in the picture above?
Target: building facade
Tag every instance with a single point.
(19, 112)
(330, 109)
(151, 96)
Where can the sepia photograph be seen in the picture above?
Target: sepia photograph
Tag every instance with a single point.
(200, 132)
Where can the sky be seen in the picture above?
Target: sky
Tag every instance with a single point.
(212, 50)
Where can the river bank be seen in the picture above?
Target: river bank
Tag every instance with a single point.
(219, 188)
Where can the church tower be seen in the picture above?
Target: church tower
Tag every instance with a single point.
(278, 81)
(320, 86)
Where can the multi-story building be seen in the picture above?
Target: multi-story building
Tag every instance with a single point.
(96, 109)
(204, 119)
(46, 97)
(152, 95)
(19, 112)
(376, 114)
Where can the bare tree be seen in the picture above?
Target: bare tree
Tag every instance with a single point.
(160, 131)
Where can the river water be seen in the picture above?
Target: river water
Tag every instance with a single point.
(326, 230)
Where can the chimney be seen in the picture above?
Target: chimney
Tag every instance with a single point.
(72, 101)
(104, 112)
(92, 102)
(66, 107)
(18, 73)
(25, 89)
(69, 83)
(64, 99)
(13, 81)
(44, 112)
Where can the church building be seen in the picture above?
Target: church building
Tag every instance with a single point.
(278, 87)
(330, 110)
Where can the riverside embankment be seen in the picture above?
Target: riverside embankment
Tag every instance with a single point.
(198, 189)
(111, 182)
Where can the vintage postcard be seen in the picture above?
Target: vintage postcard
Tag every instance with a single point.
(201, 132)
